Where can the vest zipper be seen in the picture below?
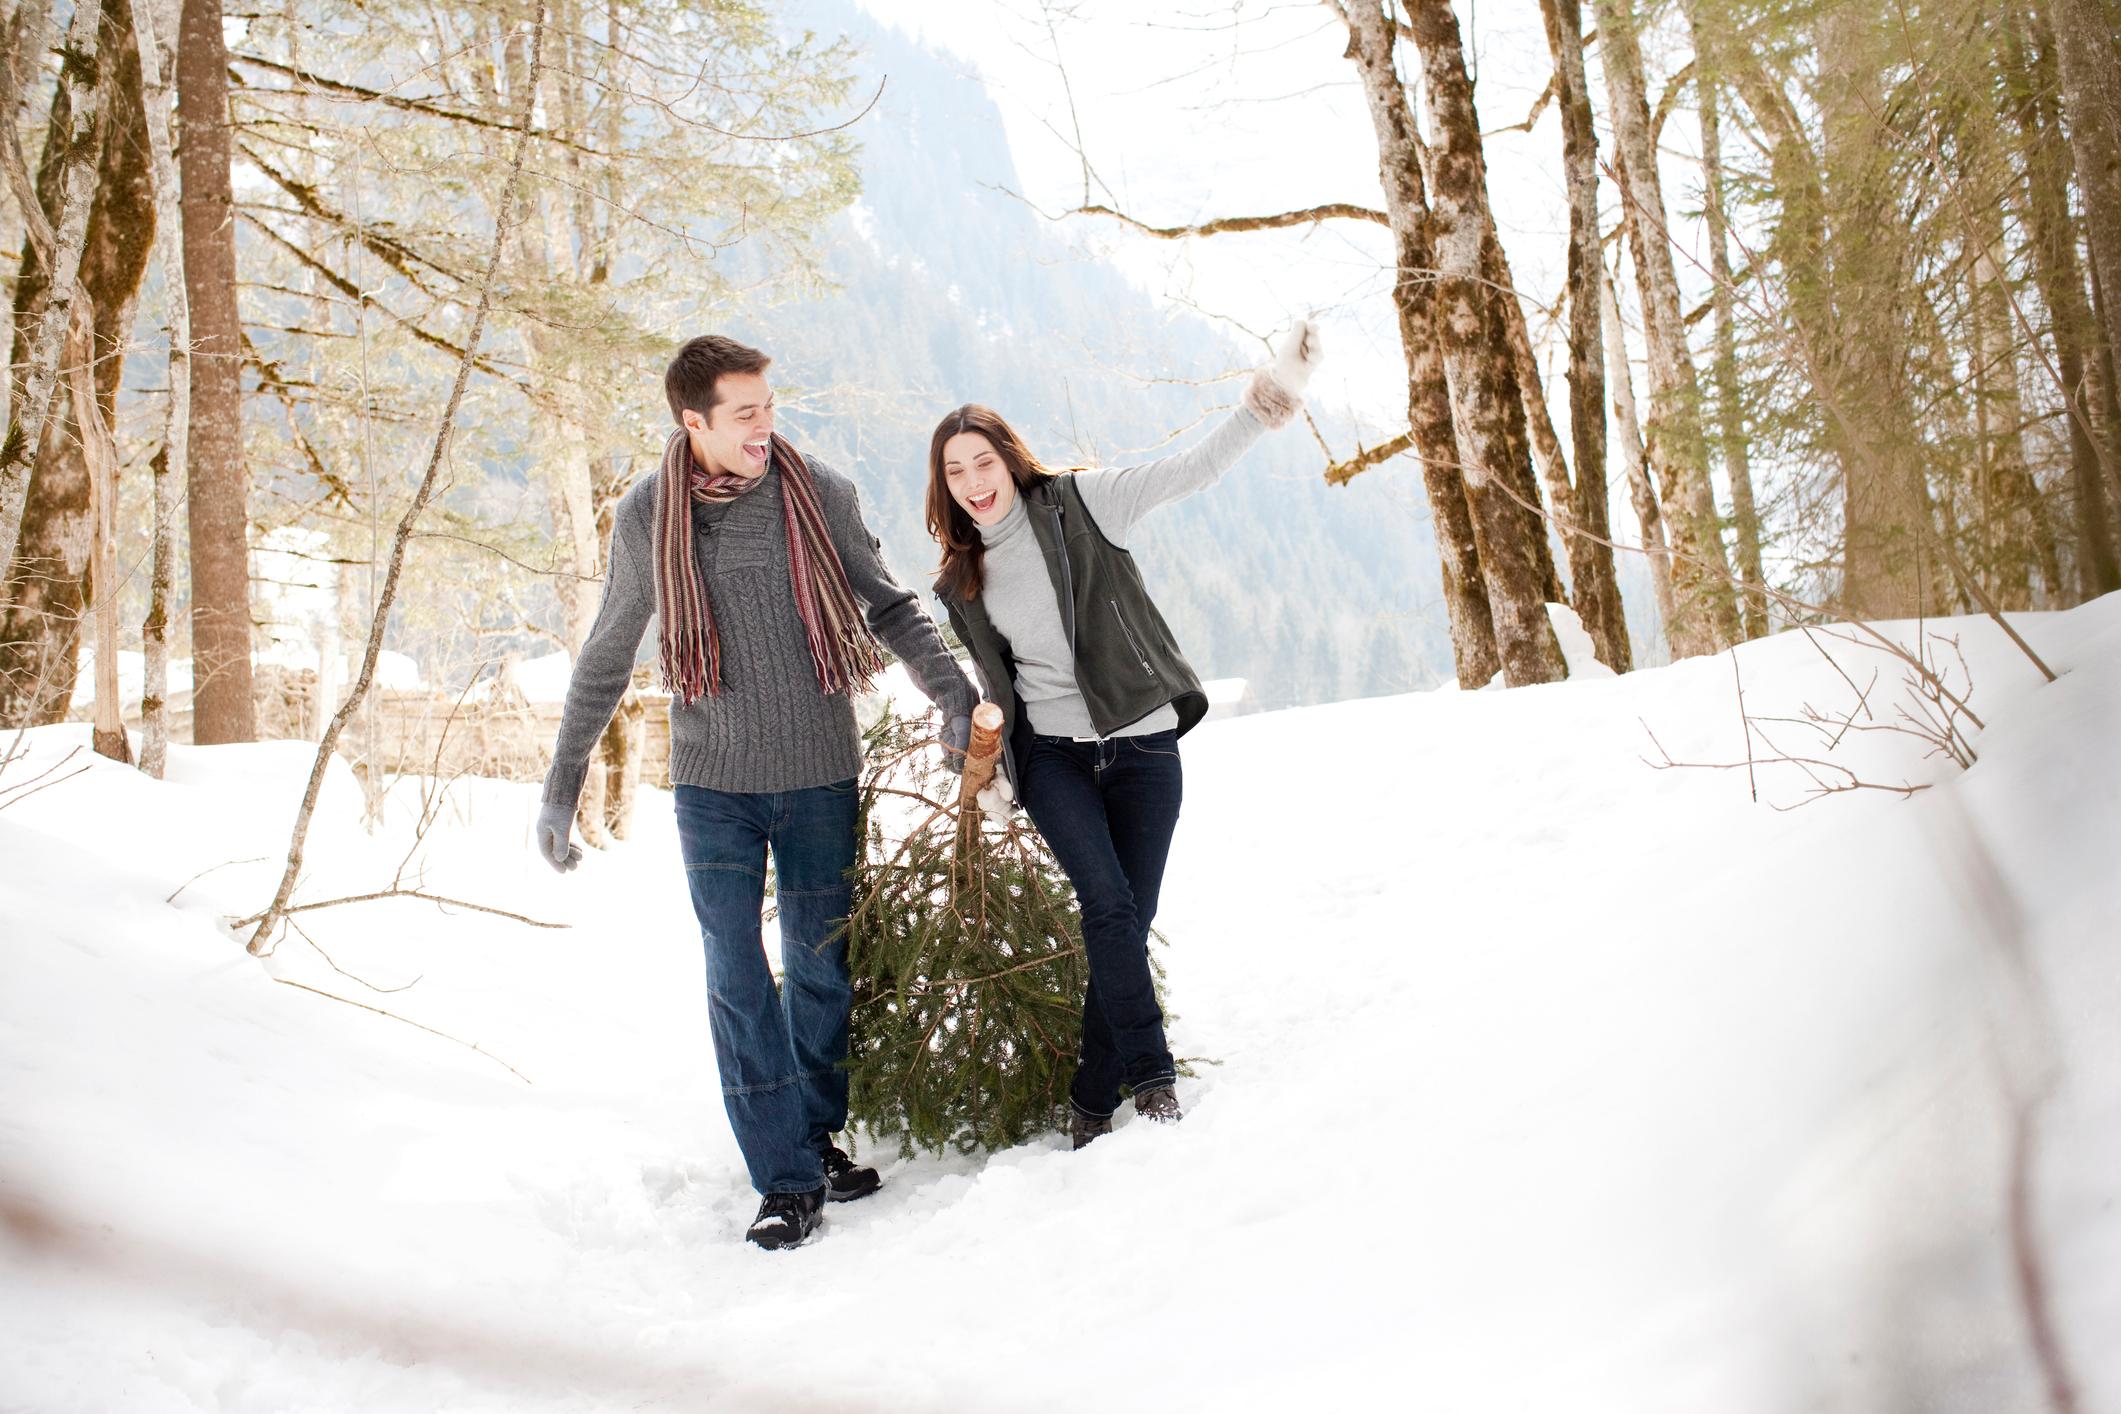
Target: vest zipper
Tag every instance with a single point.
(1067, 604)
(1128, 633)
(1067, 600)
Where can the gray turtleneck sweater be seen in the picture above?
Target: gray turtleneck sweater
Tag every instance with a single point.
(1018, 591)
(771, 728)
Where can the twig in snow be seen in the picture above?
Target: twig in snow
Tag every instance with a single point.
(290, 908)
(1861, 694)
(224, 864)
(1745, 726)
(23, 790)
(1811, 766)
(331, 962)
(468, 1045)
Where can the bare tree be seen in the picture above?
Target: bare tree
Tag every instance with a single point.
(1730, 400)
(1705, 615)
(100, 452)
(1633, 455)
(506, 215)
(1431, 423)
(2032, 84)
(217, 494)
(171, 462)
(1476, 353)
(2090, 67)
(1591, 573)
(50, 580)
(82, 76)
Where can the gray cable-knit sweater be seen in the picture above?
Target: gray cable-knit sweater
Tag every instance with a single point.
(770, 729)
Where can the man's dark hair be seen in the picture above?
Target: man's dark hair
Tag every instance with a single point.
(690, 381)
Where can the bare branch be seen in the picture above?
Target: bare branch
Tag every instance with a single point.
(468, 1045)
(23, 790)
(209, 869)
(1341, 473)
(1310, 215)
(318, 83)
(443, 899)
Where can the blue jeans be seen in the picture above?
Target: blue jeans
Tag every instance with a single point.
(779, 1049)
(1107, 810)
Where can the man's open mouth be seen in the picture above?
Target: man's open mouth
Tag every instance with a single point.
(756, 451)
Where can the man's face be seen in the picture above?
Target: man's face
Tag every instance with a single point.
(978, 478)
(732, 438)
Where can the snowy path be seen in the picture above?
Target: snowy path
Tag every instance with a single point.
(1544, 1081)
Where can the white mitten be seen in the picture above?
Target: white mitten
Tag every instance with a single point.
(1298, 357)
(1276, 392)
(997, 799)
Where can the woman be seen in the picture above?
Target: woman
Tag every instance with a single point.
(1094, 691)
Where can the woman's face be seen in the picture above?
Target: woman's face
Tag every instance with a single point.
(978, 478)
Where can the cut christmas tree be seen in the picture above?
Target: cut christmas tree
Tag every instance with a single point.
(965, 948)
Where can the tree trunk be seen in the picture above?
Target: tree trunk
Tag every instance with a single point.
(1730, 403)
(1430, 420)
(1476, 354)
(553, 242)
(1705, 613)
(1862, 366)
(50, 581)
(1851, 384)
(218, 490)
(1597, 585)
(171, 461)
(101, 455)
(1633, 455)
(2091, 100)
(81, 76)
(2016, 536)
(2108, 397)
(1547, 457)
(2033, 86)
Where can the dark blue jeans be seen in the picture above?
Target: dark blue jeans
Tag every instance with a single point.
(779, 1049)
(1107, 810)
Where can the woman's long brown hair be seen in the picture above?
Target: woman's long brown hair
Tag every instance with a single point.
(964, 553)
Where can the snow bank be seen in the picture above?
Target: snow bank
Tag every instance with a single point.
(1534, 1078)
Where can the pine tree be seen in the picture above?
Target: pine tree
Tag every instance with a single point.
(965, 948)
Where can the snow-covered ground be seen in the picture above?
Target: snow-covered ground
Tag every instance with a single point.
(1542, 1080)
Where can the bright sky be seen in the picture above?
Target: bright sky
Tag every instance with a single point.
(1189, 111)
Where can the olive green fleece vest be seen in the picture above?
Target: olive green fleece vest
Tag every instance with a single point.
(1126, 662)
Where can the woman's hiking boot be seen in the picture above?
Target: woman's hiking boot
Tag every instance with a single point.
(1158, 1103)
(1082, 1128)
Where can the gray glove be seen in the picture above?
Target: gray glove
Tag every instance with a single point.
(957, 739)
(555, 832)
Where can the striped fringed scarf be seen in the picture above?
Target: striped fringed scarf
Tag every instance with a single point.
(841, 646)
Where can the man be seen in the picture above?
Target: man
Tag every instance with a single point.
(757, 565)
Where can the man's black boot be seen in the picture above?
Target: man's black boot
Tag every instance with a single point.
(846, 1180)
(787, 1218)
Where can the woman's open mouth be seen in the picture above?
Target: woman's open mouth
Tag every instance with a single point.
(982, 504)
